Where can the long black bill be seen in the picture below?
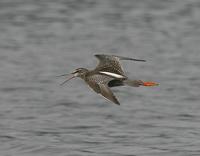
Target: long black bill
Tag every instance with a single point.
(68, 80)
(62, 75)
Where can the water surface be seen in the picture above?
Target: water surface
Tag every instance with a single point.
(42, 39)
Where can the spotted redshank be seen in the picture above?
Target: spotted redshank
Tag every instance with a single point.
(108, 73)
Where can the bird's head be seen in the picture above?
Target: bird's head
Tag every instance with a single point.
(79, 72)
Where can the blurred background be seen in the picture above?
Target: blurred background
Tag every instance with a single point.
(40, 39)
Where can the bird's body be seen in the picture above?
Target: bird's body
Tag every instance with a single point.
(108, 73)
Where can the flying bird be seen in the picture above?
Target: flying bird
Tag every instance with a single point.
(108, 73)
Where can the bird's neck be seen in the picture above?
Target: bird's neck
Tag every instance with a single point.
(84, 75)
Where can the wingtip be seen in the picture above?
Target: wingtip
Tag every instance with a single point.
(117, 103)
(96, 55)
(99, 55)
(140, 60)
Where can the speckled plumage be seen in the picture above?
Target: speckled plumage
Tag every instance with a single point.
(108, 73)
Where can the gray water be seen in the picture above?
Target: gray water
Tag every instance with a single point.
(40, 39)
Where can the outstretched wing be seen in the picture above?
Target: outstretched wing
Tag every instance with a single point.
(99, 83)
(108, 94)
(110, 65)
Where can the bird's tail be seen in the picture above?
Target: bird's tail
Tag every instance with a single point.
(137, 83)
(133, 83)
